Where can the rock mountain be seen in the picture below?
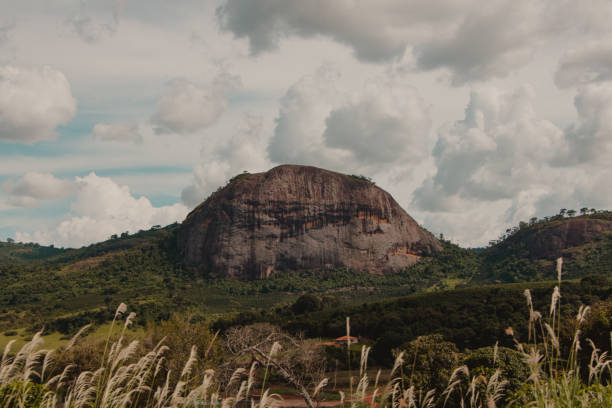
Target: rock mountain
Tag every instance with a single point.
(300, 218)
(555, 238)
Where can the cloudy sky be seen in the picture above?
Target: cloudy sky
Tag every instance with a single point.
(116, 115)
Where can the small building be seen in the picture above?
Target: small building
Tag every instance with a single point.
(347, 339)
(327, 344)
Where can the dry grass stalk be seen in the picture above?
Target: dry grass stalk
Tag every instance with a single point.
(125, 379)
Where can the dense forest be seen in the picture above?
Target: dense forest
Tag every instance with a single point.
(144, 270)
(470, 318)
(459, 308)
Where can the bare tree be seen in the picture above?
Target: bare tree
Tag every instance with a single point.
(298, 362)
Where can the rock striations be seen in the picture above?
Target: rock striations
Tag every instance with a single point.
(552, 241)
(300, 218)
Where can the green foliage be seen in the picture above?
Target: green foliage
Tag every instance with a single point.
(307, 303)
(486, 360)
(429, 362)
(182, 332)
(124, 372)
(80, 285)
(26, 253)
(20, 394)
(363, 178)
(452, 262)
(471, 318)
(119, 372)
(86, 355)
(442, 314)
(598, 325)
(238, 177)
(512, 258)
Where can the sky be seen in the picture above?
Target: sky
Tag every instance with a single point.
(117, 115)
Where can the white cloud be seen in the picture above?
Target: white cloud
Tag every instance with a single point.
(473, 224)
(117, 132)
(360, 24)
(206, 179)
(102, 208)
(592, 63)
(494, 172)
(91, 26)
(187, 107)
(475, 41)
(493, 153)
(589, 141)
(493, 166)
(5, 30)
(298, 135)
(491, 40)
(244, 151)
(503, 162)
(383, 122)
(35, 187)
(33, 102)
(89, 29)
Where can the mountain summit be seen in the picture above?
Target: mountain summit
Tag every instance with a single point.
(300, 218)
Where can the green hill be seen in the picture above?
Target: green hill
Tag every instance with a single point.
(469, 317)
(17, 253)
(65, 288)
(528, 251)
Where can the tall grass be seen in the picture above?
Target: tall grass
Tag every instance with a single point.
(558, 380)
(123, 379)
(128, 377)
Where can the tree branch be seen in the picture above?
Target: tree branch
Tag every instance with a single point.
(285, 374)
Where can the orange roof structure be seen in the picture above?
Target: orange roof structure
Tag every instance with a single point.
(327, 343)
(347, 338)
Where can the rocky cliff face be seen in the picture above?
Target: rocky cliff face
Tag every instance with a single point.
(299, 218)
(552, 241)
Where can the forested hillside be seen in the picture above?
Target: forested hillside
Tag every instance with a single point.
(66, 288)
(470, 318)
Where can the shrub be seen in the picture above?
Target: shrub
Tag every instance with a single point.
(307, 303)
(484, 361)
(131, 374)
(180, 334)
(429, 361)
(20, 394)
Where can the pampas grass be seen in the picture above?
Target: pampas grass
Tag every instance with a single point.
(128, 377)
(123, 378)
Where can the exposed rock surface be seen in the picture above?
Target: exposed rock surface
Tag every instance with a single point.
(300, 218)
(552, 241)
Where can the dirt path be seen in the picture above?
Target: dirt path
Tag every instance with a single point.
(300, 403)
(295, 401)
